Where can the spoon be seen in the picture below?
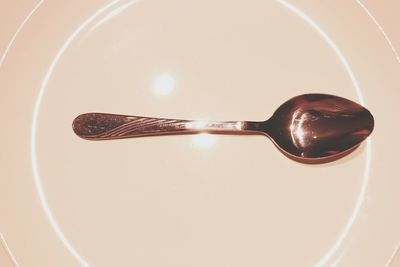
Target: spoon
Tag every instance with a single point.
(310, 128)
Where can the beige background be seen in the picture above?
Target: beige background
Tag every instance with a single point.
(386, 12)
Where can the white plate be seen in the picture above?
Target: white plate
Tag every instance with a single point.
(193, 200)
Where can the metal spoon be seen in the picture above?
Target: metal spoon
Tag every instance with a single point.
(311, 128)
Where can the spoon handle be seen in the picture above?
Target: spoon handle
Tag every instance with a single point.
(101, 126)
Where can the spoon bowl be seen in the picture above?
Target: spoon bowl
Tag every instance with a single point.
(315, 126)
(310, 128)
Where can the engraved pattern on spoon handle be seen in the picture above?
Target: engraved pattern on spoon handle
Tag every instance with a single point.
(101, 126)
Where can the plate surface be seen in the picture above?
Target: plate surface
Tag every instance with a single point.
(192, 200)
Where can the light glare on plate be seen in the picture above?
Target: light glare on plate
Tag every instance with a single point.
(163, 84)
(204, 141)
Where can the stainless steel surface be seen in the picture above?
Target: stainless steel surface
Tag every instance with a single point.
(311, 128)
